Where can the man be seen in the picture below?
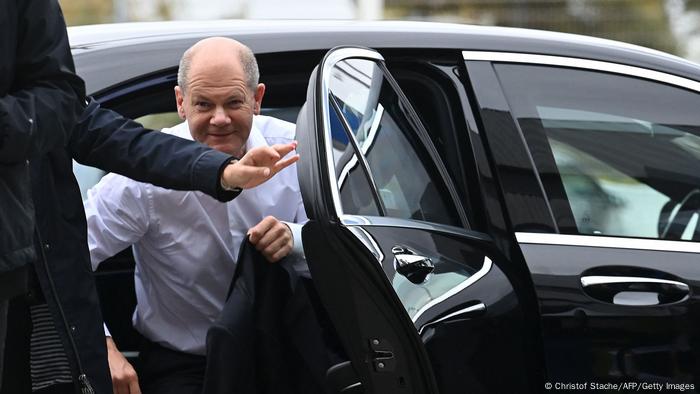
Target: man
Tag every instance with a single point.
(185, 243)
(42, 221)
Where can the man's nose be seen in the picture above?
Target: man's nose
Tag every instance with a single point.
(220, 117)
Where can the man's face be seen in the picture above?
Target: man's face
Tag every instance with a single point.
(218, 104)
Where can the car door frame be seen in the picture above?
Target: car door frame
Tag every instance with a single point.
(354, 277)
(388, 338)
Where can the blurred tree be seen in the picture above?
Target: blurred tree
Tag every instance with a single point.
(692, 4)
(642, 22)
(85, 12)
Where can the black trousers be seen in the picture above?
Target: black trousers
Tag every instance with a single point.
(16, 374)
(3, 330)
(166, 371)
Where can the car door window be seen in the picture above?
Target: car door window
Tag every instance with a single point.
(394, 175)
(617, 155)
(383, 168)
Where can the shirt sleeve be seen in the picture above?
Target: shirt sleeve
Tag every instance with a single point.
(107, 140)
(38, 113)
(117, 216)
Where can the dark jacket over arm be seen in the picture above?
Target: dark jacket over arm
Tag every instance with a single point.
(40, 99)
(40, 95)
(107, 140)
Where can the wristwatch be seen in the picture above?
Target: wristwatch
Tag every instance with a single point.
(227, 187)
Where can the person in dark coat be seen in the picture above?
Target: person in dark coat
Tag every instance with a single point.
(44, 261)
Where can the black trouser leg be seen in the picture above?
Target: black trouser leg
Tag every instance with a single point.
(3, 330)
(16, 374)
(62, 388)
(166, 371)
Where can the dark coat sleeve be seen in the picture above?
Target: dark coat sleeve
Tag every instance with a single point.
(105, 139)
(38, 112)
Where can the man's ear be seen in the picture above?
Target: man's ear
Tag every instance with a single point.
(259, 93)
(180, 100)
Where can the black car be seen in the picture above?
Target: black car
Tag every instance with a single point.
(491, 210)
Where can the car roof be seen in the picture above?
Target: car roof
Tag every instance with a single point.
(111, 53)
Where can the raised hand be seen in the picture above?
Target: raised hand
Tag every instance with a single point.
(258, 165)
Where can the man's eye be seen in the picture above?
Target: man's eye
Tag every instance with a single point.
(235, 103)
(202, 104)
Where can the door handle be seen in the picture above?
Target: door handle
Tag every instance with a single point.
(630, 290)
(414, 267)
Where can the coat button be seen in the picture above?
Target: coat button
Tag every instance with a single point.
(47, 247)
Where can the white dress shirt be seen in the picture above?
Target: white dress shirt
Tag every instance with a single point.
(186, 243)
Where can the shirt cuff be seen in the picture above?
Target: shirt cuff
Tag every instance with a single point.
(206, 175)
(296, 258)
(107, 333)
(297, 246)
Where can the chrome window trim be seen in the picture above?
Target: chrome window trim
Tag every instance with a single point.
(334, 57)
(466, 312)
(361, 234)
(453, 291)
(573, 62)
(387, 221)
(365, 146)
(608, 242)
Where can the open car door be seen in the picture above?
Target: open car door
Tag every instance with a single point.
(421, 303)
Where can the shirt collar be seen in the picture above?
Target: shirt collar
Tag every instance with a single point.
(255, 139)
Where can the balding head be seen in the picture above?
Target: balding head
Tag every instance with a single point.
(218, 49)
(218, 93)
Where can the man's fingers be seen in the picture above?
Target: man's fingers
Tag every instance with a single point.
(282, 164)
(257, 232)
(278, 250)
(125, 381)
(252, 173)
(274, 237)
(276, 242)
(280, 254)
(123, 373)
(283, 149)
(120, 387)
(134, 387)
(262, 155)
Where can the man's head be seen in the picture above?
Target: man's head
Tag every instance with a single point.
(218, 93)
